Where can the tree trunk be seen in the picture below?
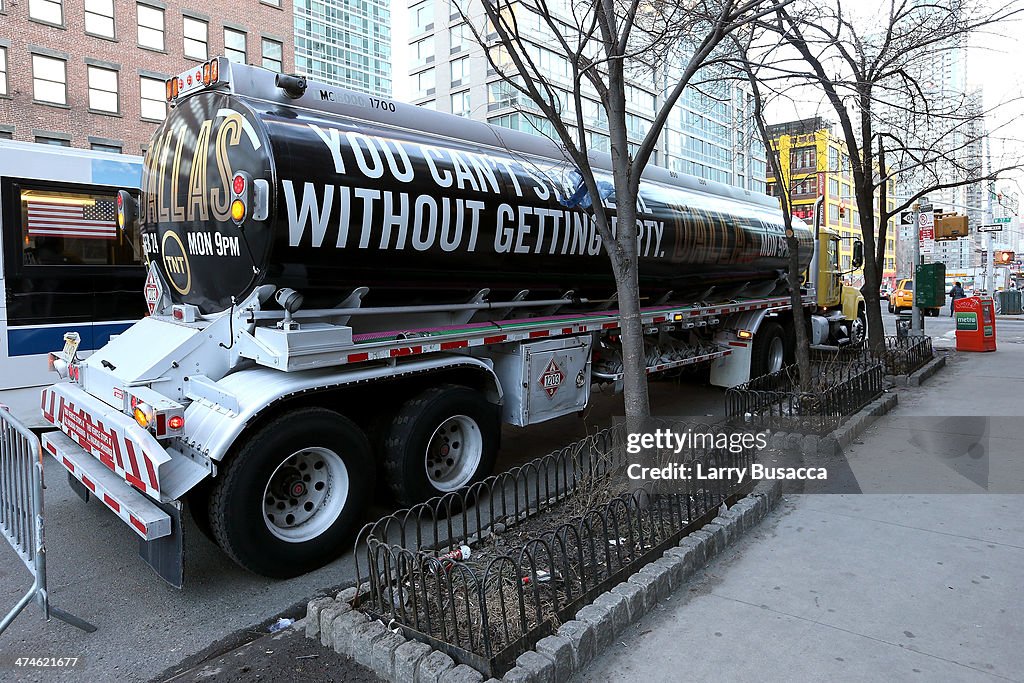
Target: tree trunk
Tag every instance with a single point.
(802, 350)
(634, 360)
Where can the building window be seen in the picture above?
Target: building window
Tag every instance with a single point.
(50, 11)
(460, 104)
(3, 70)
(6, 134)
(103, 89)
(423, 17)
(56, 142)
(151, 27)
(272, 55)
(833, 187)
(803, 157)
(99, 18)
(49, 80)
(424, 50)
(460, 70)
(154, 105)
(101, 147)
(195, 38)
(425, 82)
(805, 187)
(72, 228)
(460, 37)
(234, 45)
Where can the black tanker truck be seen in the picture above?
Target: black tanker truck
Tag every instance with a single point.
(345, 289)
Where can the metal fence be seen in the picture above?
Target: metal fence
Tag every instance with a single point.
(544, 540)
(900, 355)
(21, 514)
(838, 388)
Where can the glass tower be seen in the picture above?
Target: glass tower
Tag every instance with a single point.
(345, 43)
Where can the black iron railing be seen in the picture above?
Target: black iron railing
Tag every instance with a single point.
(545, 539)
(836, 389)
(898, 356)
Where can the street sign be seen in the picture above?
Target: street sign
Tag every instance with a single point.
(990, 228)
(1003, 219)
(926, 228)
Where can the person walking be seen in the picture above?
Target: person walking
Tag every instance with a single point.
(955, 292)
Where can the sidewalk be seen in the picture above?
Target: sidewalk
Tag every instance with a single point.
(854, 587)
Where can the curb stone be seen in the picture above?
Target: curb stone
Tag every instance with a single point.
(408, 657)
(540, 668)
(313, 609)
(929, 369)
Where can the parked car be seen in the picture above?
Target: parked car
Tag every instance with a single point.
(903, 298)
(884, 293)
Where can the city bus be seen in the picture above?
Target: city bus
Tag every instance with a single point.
(64, 265)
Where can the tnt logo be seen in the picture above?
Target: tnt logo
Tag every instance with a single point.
(552, 378)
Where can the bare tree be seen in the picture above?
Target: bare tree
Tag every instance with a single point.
(896, 124)
(605, 44)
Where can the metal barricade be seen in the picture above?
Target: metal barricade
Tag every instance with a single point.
(21, 514)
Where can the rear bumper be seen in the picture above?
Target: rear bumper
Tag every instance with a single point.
(109, 436)
(138, 512)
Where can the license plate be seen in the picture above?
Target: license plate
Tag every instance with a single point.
(71, 342)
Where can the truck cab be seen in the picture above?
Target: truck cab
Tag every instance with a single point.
(840, 317)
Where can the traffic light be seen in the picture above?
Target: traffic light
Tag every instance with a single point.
(1003, 257)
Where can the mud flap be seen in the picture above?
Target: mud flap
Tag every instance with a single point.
(166, 555)
(78, 487)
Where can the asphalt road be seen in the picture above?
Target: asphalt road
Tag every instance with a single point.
(145, 627)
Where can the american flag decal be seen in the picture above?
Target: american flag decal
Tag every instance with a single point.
(73, 221)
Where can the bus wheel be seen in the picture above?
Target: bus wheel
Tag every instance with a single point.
(769, 352)
(290, 500)
(440, 441)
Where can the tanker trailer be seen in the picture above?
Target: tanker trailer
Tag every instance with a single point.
(344, 288)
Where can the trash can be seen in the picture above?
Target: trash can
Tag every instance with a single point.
(905, 322)
(975, 324)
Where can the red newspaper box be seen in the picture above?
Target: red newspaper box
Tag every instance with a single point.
(975, 324)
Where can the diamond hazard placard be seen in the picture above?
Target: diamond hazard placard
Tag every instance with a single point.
(151, 292)
(552, 378)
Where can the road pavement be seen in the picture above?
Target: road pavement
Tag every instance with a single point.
(892, 586)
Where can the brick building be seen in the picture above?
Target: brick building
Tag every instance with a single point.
(90, 73)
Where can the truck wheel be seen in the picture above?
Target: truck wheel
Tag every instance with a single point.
(291, 498)
(859, 328)
(769, 352)
(440, 441)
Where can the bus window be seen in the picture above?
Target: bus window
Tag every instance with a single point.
(71, 228)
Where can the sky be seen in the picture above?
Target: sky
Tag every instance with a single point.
(995, 63)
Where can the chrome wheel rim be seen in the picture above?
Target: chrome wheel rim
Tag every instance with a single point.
(858, 330)
(454, 452)
(305, 494)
